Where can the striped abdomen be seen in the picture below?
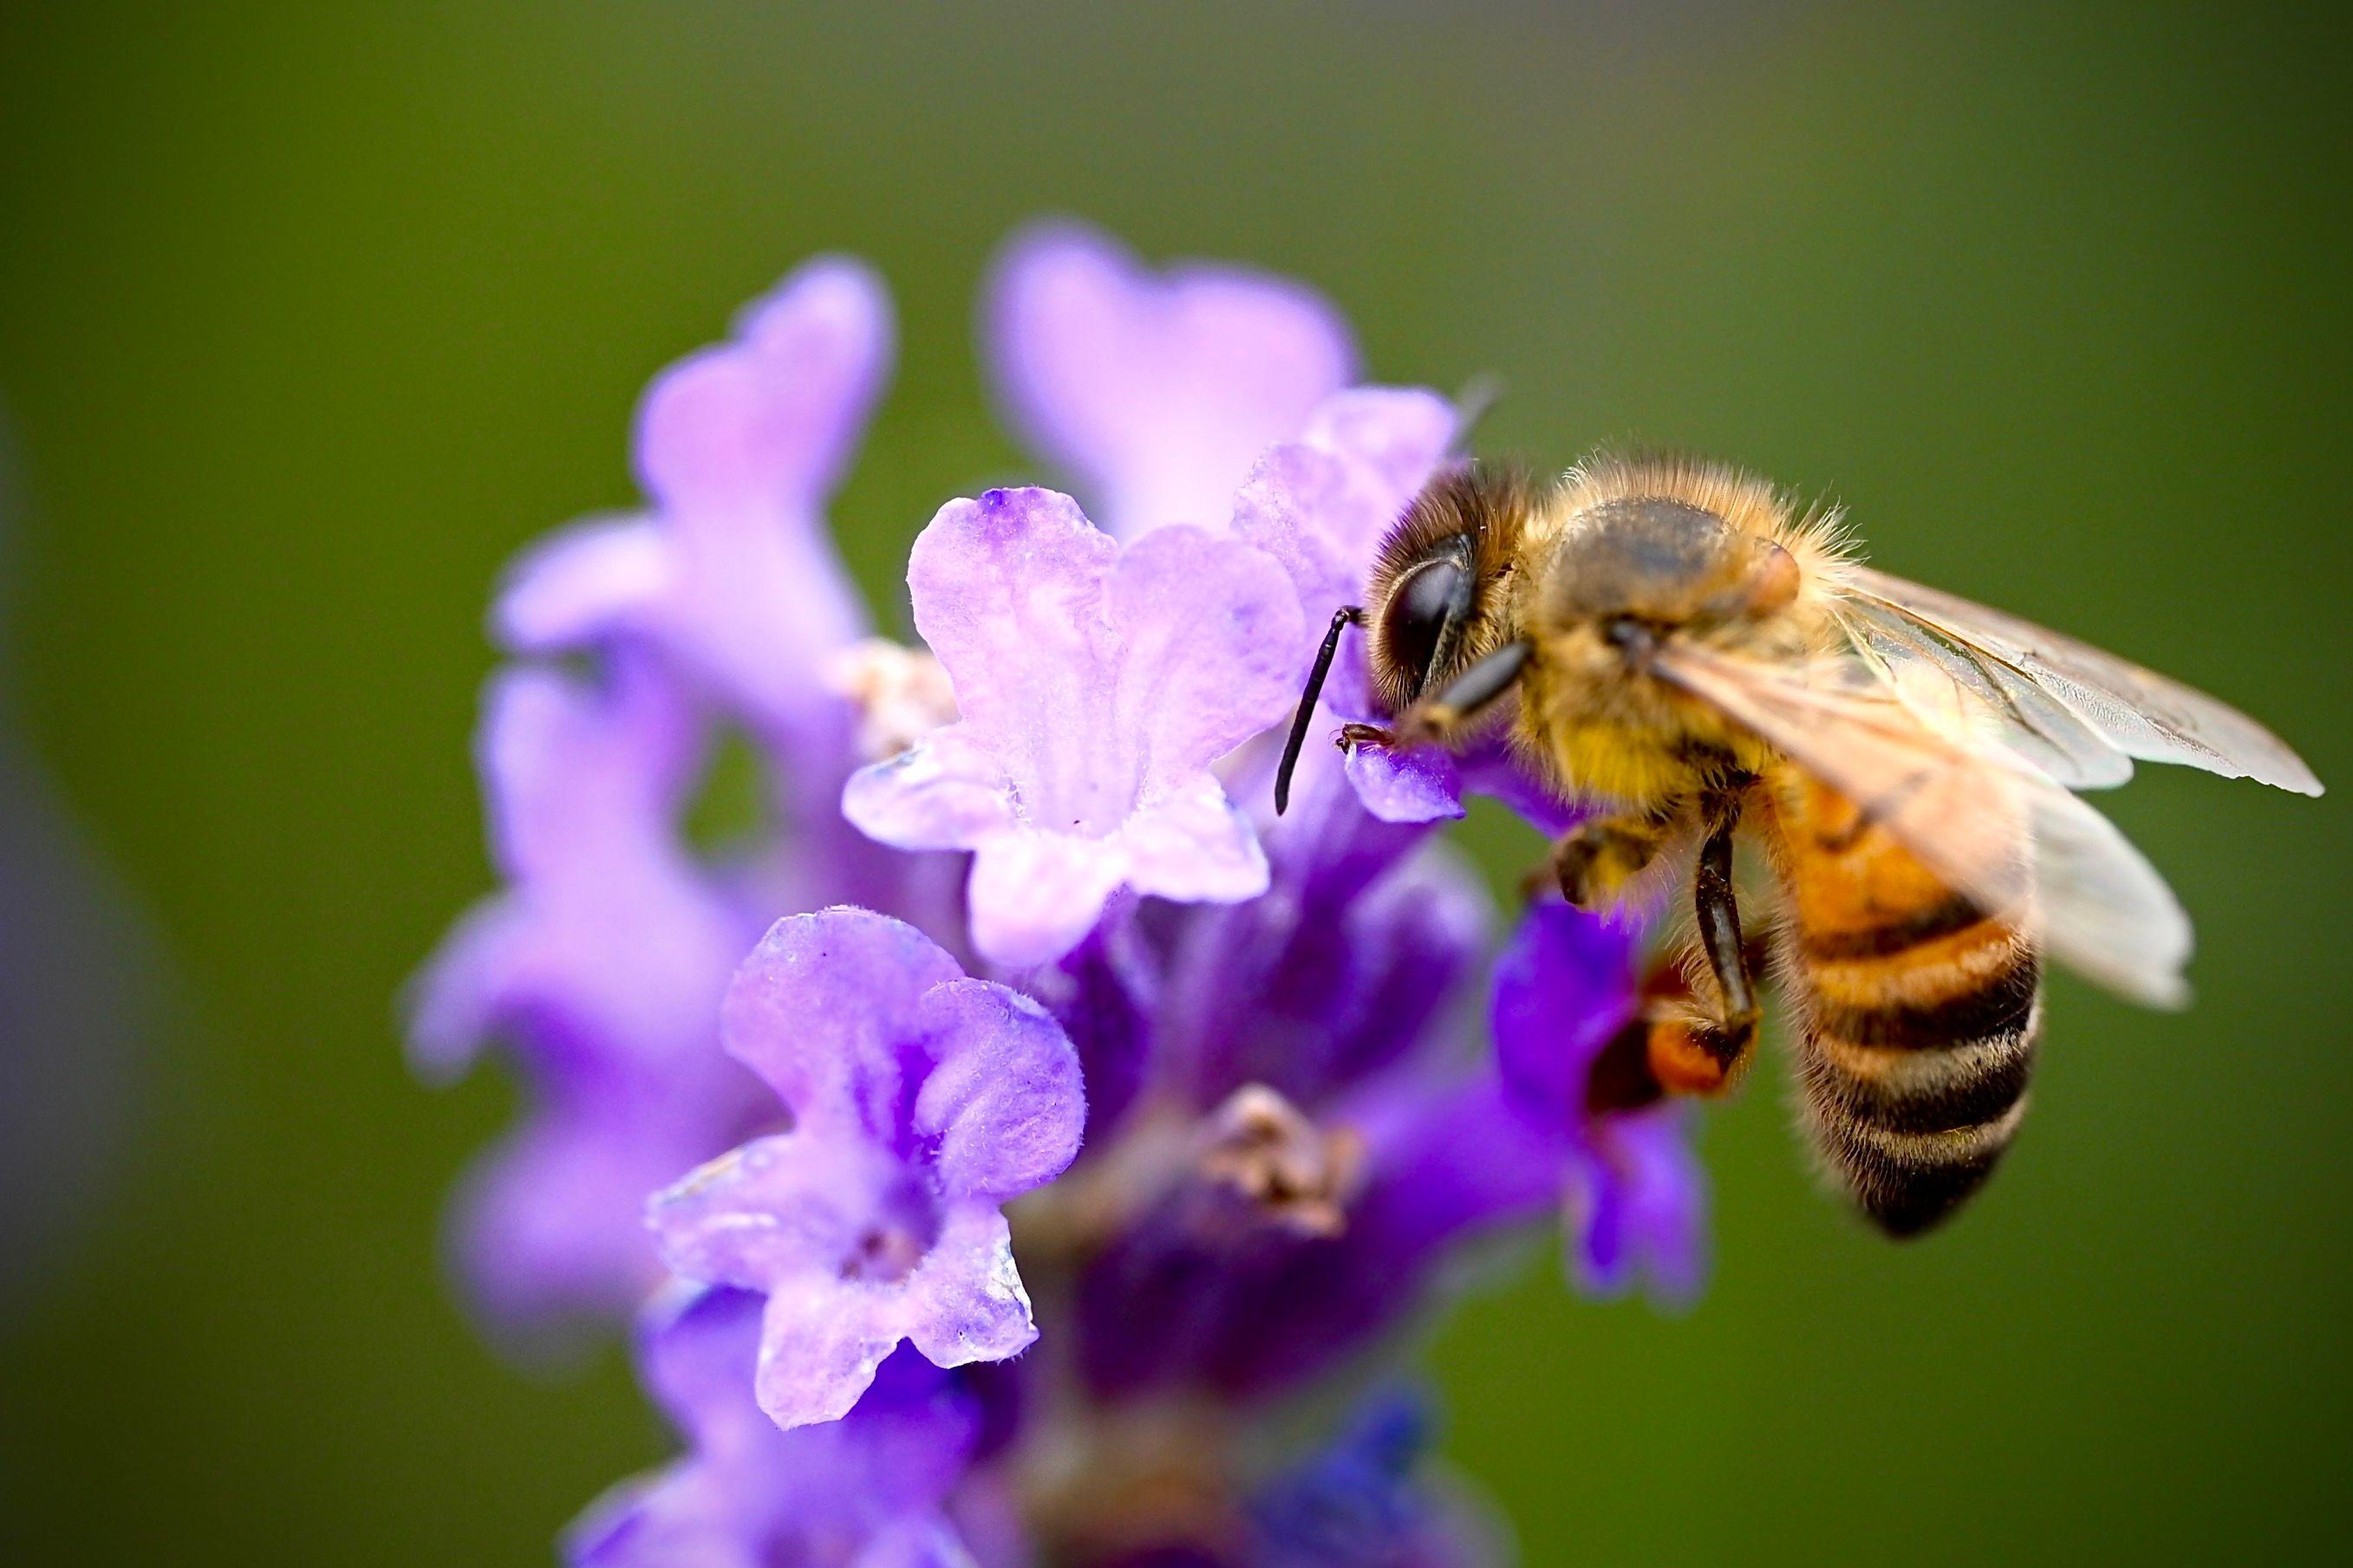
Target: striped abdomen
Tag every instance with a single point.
(1918, 1014)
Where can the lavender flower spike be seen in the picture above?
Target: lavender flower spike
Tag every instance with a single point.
(920, 1101)
(1155, 391)
(1096, 684)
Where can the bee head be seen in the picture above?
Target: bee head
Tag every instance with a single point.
(1431, 603)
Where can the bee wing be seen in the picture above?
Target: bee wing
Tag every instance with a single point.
(2137, 710)
(1967, 811)
(1916, 660)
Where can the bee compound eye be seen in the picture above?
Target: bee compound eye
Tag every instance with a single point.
(1416, 617)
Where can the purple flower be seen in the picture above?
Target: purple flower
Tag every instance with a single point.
(1097, 684)
(1155, 391)
(730, 573)
(1635, 1196)
(920, 1101)
(602, 964)
(1364, 1503)
(863, 1493)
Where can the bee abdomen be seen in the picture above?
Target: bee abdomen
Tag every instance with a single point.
(1919, 1043)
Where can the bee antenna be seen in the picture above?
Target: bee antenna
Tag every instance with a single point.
(1471, 404)
(1342, 619)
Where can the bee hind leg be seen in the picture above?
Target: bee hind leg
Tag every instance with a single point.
(1704, 1055)
(1669, 1046)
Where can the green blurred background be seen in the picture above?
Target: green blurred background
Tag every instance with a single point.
(310, 316)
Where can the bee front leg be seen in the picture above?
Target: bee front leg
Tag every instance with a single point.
(1445, 717)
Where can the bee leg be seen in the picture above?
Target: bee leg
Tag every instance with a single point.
(1441, 720)
(1597, 858)
(1713, 1049)
(1688, 1055)
(1664, 1048)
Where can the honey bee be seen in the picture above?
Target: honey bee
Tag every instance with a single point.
(1686, 650)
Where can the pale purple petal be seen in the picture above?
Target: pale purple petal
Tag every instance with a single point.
(966, 1302)
(1421, 785)
(943, 793)
(1098, 685)
(1297, 506)
(626, 975)
(662, 1520)
(820, 1008)
(1428, 783)
(573, 770)
(453, 1001)
(1211, 650)
(1397, 435)
(1638, 1206)
(1003, 1107)
(778, 1208)
(1322, 503)
(766, 424)
(549, 1222)
(585, 583)
(611, 945)
(1194, 846)
(820, 1341)
(1008, 592)
(730, 576)
(760, 609)
(1034, 895)
(1156, 390)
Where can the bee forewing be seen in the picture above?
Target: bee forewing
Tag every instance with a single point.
(2138, 711)
(1967, 812)
(1913, 657)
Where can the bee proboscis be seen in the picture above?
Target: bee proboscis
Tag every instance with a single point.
(1683, 647)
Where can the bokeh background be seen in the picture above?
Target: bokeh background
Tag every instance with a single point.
(310, 316)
